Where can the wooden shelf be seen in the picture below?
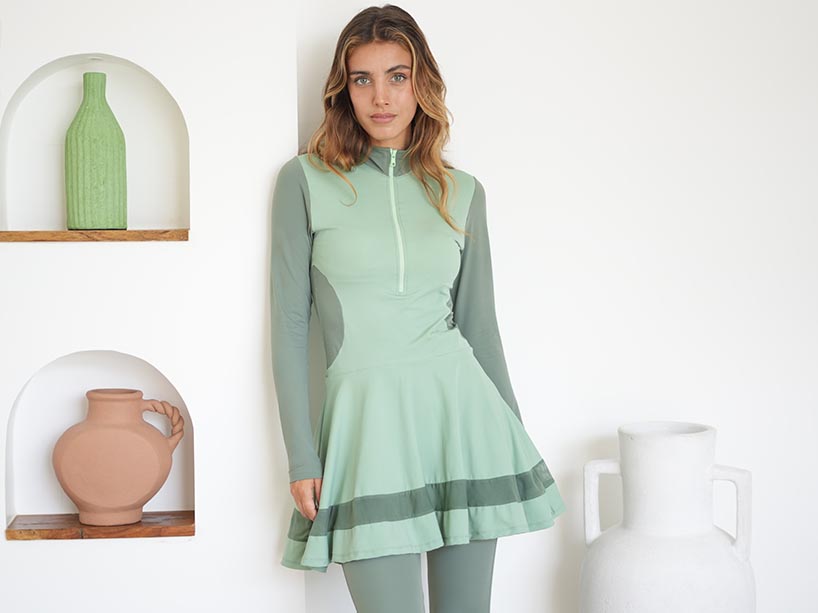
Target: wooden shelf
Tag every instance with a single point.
(28, 236)
(67, 526)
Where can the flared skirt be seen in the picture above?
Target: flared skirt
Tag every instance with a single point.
(417, 455)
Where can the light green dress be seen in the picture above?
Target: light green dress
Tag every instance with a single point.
(420, 443)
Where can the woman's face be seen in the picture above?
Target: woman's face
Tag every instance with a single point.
(380, 87)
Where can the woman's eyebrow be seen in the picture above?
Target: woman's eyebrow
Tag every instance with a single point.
(393, 69)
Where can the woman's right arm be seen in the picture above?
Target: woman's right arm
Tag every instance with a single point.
(291, 301)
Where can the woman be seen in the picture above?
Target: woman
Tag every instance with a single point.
(420, 446)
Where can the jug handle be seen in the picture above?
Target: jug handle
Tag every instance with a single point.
(743, 482)
(593, 469)
(177, 424)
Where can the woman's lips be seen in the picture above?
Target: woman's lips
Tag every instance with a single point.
(382, 117)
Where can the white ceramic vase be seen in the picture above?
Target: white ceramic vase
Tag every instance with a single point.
(666, 556)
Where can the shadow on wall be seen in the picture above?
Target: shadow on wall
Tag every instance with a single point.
(54, 399)
(563, 586)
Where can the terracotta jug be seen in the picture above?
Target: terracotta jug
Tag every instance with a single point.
(666, 556)
(114, 462)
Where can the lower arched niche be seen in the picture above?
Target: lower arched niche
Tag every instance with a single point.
(54, 399)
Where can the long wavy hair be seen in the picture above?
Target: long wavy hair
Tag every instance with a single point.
(341, 143)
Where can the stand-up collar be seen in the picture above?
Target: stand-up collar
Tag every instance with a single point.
(380, 158)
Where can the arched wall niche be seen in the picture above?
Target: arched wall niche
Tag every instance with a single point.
(54, 399)
(32, 144)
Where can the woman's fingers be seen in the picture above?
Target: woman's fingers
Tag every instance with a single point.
(307, 503)
(305, 499)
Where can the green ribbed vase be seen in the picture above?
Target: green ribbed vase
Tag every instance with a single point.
(95, 191)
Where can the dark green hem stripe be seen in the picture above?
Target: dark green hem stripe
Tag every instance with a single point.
(445, 496)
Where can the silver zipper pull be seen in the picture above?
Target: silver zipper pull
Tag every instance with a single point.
(394, 152)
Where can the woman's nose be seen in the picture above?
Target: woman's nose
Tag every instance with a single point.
(380, 96)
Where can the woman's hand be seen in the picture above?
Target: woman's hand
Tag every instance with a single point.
(307, 493)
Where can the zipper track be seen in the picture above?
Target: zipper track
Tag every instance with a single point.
(401, 262)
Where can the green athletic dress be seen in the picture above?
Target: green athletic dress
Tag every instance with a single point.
(420, 442)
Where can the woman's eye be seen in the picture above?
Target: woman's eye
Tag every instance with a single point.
(360, 81)
(399, 77)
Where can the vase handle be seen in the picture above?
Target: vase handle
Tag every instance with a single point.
(593, 469)
(743, 482)
(177, 424)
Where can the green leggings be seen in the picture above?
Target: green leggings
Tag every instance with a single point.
(459, 580)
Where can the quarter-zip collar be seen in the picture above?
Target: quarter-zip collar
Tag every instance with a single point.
(381, 157)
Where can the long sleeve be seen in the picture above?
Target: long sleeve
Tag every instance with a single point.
(473, 300)
(291, 301)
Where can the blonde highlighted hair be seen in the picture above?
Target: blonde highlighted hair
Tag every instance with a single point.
(341, 143)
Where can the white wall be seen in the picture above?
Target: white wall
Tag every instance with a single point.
(650, 169)
(651, 177)
(197, 311)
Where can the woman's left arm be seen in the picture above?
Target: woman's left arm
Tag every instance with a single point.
(473, 300)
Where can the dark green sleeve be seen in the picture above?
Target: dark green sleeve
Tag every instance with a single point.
(473, 300)
(291, 301)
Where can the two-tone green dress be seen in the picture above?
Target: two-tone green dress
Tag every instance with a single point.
(420, 442)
